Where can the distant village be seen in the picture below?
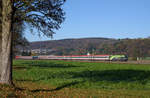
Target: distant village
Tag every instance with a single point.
(34, 52)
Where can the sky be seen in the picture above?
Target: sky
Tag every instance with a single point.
(102, 18)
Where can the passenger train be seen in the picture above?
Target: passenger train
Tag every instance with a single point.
(78, 57)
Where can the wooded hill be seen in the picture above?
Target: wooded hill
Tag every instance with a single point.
(130, 47)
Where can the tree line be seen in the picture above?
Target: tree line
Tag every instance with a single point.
(130, 47)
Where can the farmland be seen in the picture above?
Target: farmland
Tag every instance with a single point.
(78, 79)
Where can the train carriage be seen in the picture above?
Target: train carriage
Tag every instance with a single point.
(79, 57)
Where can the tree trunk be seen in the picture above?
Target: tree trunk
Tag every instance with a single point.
(0, 35)
(5, 42)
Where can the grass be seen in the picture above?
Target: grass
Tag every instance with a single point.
(81, 79)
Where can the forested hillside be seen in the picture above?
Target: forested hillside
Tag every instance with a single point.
(130, 47)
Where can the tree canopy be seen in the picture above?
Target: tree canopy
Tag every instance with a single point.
(44, 15)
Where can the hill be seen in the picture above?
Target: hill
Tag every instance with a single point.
(67, 46)
(69, 43)
(132, 47)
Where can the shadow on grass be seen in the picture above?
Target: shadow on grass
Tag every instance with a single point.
(114, 75)
(49, 90)
(53, 65)
(58, 88)
(26, 80)
(20, 68)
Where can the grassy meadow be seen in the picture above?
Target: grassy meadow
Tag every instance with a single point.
(70, 79)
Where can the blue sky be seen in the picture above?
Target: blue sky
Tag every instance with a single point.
(103, 18)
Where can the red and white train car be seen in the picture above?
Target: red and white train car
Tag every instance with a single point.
(72, 57)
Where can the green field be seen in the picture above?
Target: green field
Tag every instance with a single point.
(78, 79)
